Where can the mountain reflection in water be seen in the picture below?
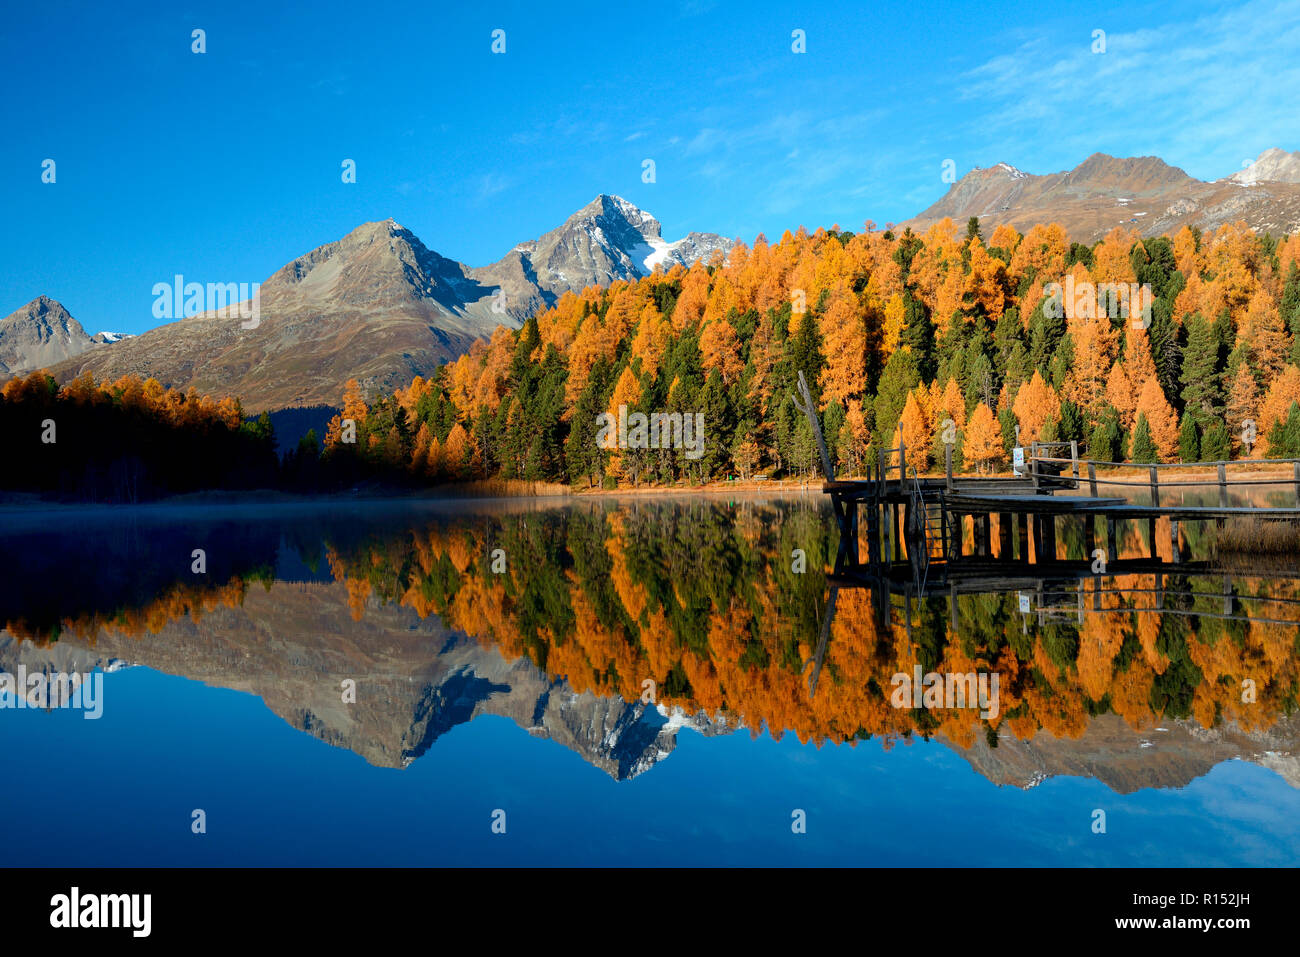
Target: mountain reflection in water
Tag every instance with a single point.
(610, 625)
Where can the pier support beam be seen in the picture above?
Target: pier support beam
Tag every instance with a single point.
(887, 544)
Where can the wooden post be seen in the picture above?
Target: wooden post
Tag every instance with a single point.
(1033, 464)
(1223, 485)
(977, 531)
(947, 464)
(1004, 535)
(1074, 461)
(810, 412)
(1111, 544)
(889, 532)
(1038, 538)
(1155, 487)
(1297, 484)
(873, 534)
(1049, 537)
(1092, 478)
(898, 533)
(902, 462)
(1173, 540)
(854, 551)
(1022, 527)
(904, 527)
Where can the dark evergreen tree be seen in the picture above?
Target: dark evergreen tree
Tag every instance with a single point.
(899, 378)
(1045, 334)
(1189, 440)
(1105, 444)
(1202, 394)
(918, 335)
(1216, 443)
(1143, 451)
(1284, 437)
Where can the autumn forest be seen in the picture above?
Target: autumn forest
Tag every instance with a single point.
(895, 333)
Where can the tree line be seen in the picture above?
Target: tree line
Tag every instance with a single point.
(924, 338)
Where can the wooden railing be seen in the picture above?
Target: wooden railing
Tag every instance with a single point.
(1153, 483)
(882, 457)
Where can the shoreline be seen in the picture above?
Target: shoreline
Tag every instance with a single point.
(264, 499)
(1261, 476)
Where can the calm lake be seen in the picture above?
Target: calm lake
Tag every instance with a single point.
(624, 681)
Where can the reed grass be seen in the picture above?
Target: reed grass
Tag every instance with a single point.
(1254, 536)
(508, 488)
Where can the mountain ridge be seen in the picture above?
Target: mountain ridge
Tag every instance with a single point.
(379, 306)
(1142, 192)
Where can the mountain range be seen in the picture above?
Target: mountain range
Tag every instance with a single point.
(417, 680)
(377, 305)
(1142, 193)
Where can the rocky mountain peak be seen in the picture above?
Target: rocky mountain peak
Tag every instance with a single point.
(1271, 166)
(1136, 193)
(380, 306)
(608, 209)
(40, 334)
(1135, 173)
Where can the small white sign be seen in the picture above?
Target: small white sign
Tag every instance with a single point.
(1024, 603)
(1018, 460)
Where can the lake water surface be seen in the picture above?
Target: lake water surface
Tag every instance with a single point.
(623, 681)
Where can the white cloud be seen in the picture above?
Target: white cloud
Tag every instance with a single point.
(1200, 93)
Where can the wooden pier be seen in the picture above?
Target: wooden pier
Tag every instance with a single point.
(906, 536)
(922, 521)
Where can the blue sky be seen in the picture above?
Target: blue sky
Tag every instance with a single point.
(226, 165)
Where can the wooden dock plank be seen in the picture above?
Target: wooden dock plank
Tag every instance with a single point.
(1032, 503)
